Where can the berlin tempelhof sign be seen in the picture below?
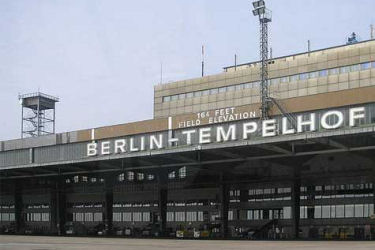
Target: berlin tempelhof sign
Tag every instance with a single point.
(229, 130)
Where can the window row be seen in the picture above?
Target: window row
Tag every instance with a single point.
(7, 217)
(35, 217)
(84, 179)
(269, 214)
(284, 190)
(285, 79)
(358, 186)
(88, 217)
(182, 216)
(146, 204)
(132, 176)
(337, 211)
(44, 206)
(132, 216)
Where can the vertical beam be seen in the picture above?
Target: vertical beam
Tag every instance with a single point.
(224, 200)
(108, 211)
(296, 190)
(18, 207)
(162, 201)
(58, 206)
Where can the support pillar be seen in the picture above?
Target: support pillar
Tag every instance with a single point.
(162, 201)
(18, 207)
(224, 200)
(108, 204)
(296, 191)
(58, 206)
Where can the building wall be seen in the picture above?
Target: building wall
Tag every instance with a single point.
(290, 66)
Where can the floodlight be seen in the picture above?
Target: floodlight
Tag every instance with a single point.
(258, 4)
(259, 11)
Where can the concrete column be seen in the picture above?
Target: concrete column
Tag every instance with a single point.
(296, 190)
(108, 204)
(224, 200)
(18, 207)
(162, 201)
(58, 206)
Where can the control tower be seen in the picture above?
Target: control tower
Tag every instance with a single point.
(38, 114)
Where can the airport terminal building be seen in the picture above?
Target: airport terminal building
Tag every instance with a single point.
(206, 165)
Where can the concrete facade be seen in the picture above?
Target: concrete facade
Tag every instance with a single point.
(290, 69)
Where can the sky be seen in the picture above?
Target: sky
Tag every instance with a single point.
(103, 57)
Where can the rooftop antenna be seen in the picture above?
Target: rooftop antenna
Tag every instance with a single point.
(271, 53)
(202, 60)
(161, 72)
(38, 114)
(372, 31)
(308, 46)
(235, 62)
(265, 16)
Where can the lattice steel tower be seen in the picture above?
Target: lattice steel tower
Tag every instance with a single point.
(38, 114)
(264, 18)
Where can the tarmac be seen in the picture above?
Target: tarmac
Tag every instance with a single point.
(11, 242)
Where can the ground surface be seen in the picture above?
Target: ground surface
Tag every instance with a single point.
(52, 243)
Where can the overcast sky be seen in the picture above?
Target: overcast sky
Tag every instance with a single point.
(102, 57)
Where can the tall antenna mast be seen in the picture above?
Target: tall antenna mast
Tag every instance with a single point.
(372, 31)
(202, 60)
(264, 18)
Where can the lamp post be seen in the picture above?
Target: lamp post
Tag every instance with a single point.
(264, 15)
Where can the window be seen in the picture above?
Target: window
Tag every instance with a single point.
(230, 88)
(303, 76)
(45, 216)
(117, 217)
(131, 176)
(349, 211)
(326, 211)
(230, 215)
(359, 210)
(191, 216)
(146, 216)
(318, 212)
(354, 68)
(275, 80)
(365, 66)
(287, 213)
(180, 216)
(174, 97)
(181, 96)
(200, 215)
(345, 69)
(88, 217)
(137, 216)
(334, 71)
(313, 74)
(166, 98)
(323, 73)
(197, 93)
(213, 91)
(127, 216)
(205, 92)
(294, 78)
(284, 79)
(239, 87)
(121, 177)
(98, 217)
(170, 216)
(172, 175)
(189, 95)
(140, 176)
(247, 85)
(182, 172)
(222, 89)
(373, 64)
